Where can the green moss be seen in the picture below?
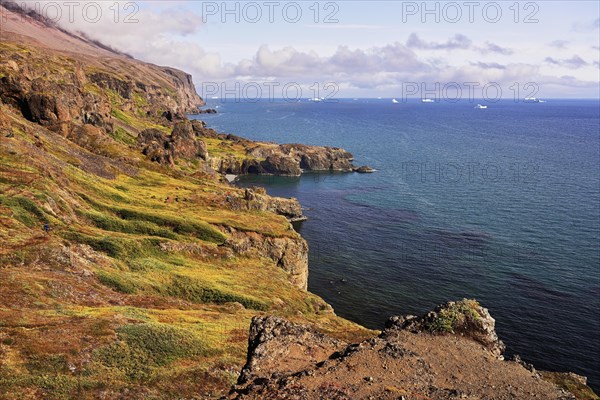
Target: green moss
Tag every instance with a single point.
(163, 343)
(116, 282)
(25, 210)
(572, 385)
(114, 97)
(197, 292)
(147, 264)
(454, 318)
(133, 363)
(122, 136)
(58, 387)
(139, 100)
(123, 117)
(114, 224)
(143, 347)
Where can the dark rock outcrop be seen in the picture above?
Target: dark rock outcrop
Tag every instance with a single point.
(277, 164)
(273, 340)
(188, 98)
(111, 82)
(257, 199)
(164, 149)
(207, 111)
(185, 142)
(314, 158)
(365, 169)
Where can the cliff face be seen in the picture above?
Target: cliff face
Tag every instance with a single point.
(289, 254)
(188, 98)
(438, 356)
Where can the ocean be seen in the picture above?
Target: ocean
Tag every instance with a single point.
(499, 204)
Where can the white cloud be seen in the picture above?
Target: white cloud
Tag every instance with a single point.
(169, 34)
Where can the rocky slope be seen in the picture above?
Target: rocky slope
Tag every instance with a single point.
(57, 79)
(452, 352)
(229, 154)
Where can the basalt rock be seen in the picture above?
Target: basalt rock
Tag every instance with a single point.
(111, 82)
(185, 142)
(207, 111)
(257, 199)
(277, 164)
(363, 170)
(271, 159)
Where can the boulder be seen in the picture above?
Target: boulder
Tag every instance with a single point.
(281, 165)
(164, 149)
(156, 146)
(278, 347)
(185, 144)
(363, 170)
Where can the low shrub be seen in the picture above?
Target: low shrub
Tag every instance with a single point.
(116, 282)
(455, 318)
(114, 224)
(116, 247)
(197, 292)
(143, 347)
(25, 210)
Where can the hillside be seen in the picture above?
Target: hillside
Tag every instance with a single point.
(148, 278)
(131, 269)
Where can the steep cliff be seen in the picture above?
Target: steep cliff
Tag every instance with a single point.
(290, 253)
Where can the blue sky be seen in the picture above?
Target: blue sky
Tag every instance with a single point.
(369, 48)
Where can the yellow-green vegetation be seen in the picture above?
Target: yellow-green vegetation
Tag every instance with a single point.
(458, 316)
(571, 383)
(135, 292)
(223, 148)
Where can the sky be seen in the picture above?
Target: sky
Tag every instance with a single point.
(480, 49)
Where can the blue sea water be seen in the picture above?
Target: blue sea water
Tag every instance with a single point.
(501, 204)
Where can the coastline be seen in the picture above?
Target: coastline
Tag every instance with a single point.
(132, 267)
